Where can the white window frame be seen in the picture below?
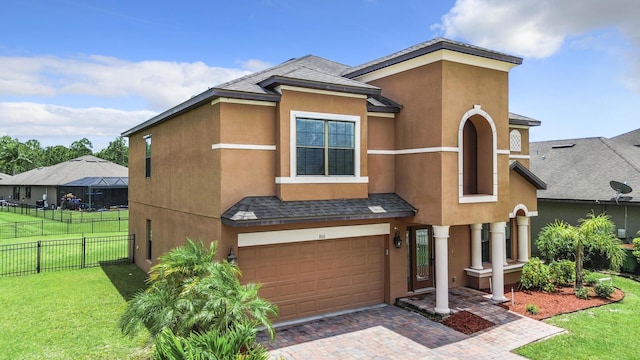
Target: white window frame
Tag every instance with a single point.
(314, 179)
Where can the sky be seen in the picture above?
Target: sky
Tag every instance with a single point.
(72, 69)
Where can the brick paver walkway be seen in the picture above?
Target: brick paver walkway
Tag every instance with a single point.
(389, 332)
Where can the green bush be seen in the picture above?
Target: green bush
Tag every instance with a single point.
(532, 309)
(604, 290)
(535, 275)
(554, 242)
(550, 288)
(563, 272)
(590, 278)
(636, 247)
(582, 293)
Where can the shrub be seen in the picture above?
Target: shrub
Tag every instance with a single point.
(532, 309)
(553, 242)
(550, 288)
(604, 290)
(591, 278)
(636, 247)
(582, 293)
(563, 272)
(535, 275)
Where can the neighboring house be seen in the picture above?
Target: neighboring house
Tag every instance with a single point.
(339, 187)
(579, 172)
(94, 182)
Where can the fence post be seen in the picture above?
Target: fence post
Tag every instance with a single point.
(84, 252)
(133, 248)
(15, 229)
(38, 263)
(92, 224)
(68, 225)
(42, 228)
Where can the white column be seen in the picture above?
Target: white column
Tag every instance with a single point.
(523, 238)
(504, 249)
(441, 234)
(476, 246)
(497, 230)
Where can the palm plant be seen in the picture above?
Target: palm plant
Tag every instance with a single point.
(190, 292)
(594, 234)
(211, 345)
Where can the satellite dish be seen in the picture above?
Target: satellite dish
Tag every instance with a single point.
(620, 188)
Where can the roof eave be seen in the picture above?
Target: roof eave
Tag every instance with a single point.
(440, 45)
(297, 220)
(528, 175)
(197, 101)
(276, 80)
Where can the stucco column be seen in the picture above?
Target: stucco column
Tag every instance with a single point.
(504, 250)
(497, 230)
(441, 234)
(476, 246)
(523, 238)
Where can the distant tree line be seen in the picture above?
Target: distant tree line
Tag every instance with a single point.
(17, 157)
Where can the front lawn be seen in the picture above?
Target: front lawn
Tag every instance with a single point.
(606, 332)
(69, 314)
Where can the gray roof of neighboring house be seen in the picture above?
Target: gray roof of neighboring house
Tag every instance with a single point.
(631, 137)
(269, 210)
(68, 171)
(581, 169)
(4, 176)
(100, 181)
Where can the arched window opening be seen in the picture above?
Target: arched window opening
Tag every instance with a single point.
(515, 140)
(477, 161)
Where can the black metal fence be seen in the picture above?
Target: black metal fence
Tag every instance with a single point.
(69, 216)
(52, 255)
(48, 227)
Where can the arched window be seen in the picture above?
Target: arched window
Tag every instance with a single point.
(515, 140)
(477, 157)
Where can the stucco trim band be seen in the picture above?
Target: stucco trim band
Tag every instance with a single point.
(311, 234)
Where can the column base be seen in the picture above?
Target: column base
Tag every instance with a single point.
(444, 311)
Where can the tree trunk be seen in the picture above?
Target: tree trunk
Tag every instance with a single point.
(579, 257)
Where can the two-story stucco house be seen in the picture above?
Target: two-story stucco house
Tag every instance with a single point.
(339, 187)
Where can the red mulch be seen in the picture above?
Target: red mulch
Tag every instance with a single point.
(560, 302)
(549, 304)
(466, 322)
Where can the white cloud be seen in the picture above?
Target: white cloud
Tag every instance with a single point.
(159, 85)
(537, 28)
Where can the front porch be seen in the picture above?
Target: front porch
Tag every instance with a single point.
(460, 299)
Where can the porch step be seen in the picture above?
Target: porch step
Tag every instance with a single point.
(418, 306)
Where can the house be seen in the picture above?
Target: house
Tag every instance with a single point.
(338, 187)
(94, 182)
(579, 173)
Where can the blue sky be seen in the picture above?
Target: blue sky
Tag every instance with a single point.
(84, 68)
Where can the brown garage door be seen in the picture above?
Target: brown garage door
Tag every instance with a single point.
(316, 277)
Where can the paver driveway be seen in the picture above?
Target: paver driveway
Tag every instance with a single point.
(389, 332)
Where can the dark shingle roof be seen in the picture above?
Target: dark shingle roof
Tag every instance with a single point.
(426, 48)
(528, 175)
(581, 169)
(269, 210)
(516, 119)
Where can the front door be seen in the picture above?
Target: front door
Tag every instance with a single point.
(420, 258)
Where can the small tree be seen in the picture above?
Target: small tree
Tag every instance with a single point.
(595, 233)
(191, 292)
(636, 246)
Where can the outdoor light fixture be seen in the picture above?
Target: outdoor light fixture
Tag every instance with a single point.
(232, 258)
(397, 240)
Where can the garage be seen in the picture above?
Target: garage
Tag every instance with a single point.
(306, 278)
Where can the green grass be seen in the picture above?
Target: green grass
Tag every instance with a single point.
(20, 225)
(69, 314)
(605, 332)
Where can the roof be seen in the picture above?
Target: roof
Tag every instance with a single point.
(426, 48)
(4, 176)
(528, 175)
(631, 137)
(269, 210)
(102, 182)
(516, 119)
(581, 169)
(314, 72)
(69, 171)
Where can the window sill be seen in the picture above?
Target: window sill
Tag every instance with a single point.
(481, 198)
(323, 180)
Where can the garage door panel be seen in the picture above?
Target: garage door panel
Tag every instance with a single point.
(315, 277)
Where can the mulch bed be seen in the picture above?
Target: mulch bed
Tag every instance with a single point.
(466, 322)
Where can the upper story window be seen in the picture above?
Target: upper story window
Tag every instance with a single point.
(147, 166)
(324, 147)
(515, 140)
(477, 158)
